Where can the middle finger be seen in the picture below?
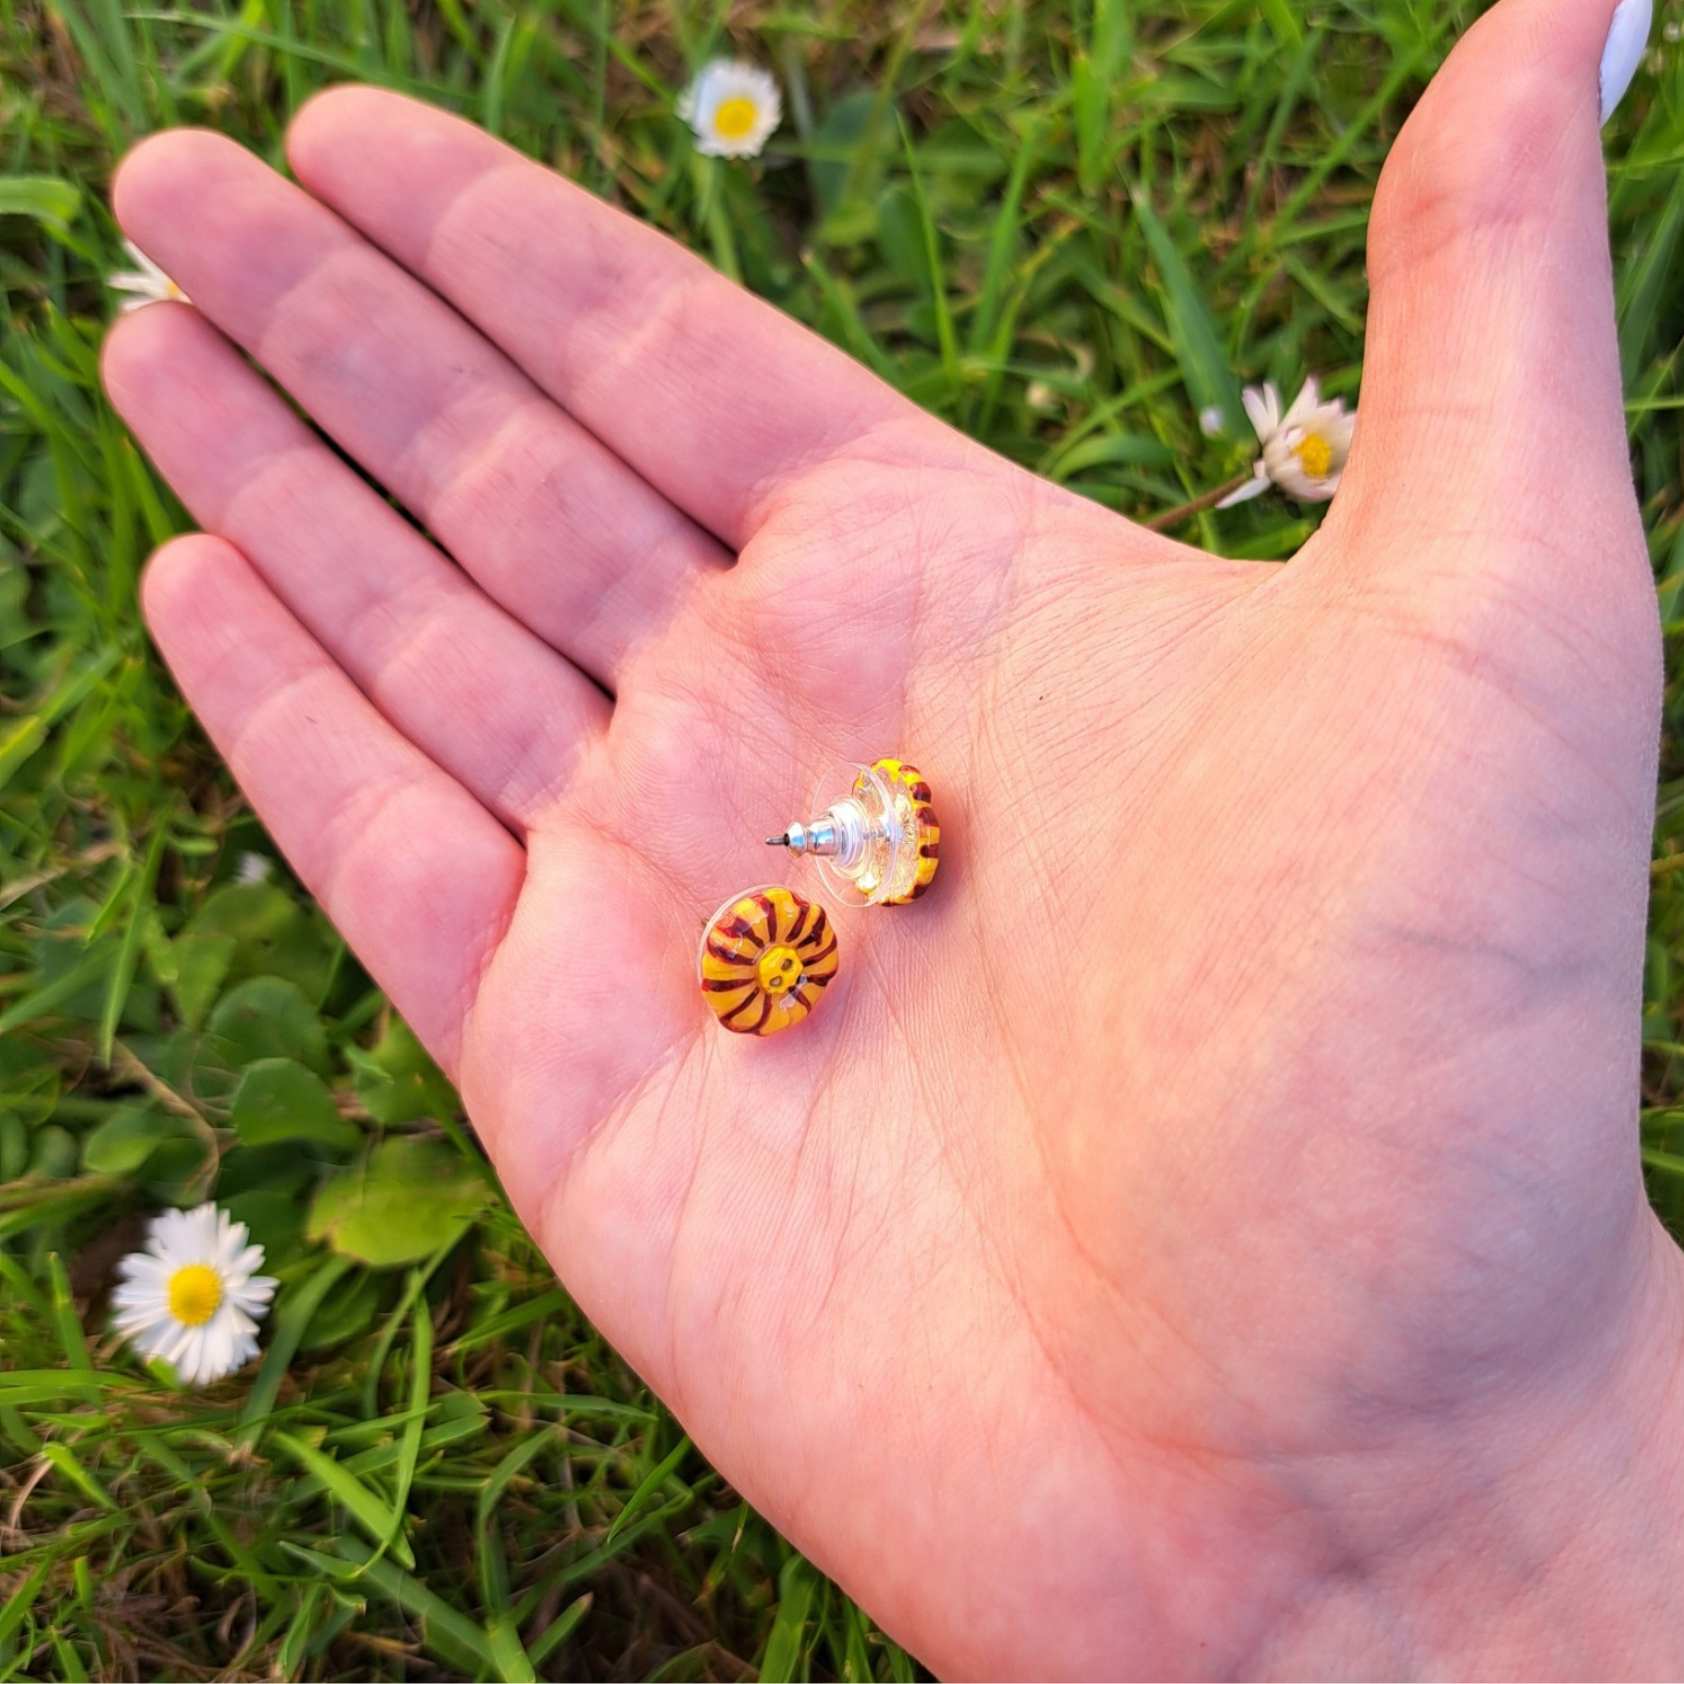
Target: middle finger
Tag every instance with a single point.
(552, 524)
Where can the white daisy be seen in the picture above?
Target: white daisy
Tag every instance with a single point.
(1304, 450)
(192, 1297)
(146, 285)
(733, 107)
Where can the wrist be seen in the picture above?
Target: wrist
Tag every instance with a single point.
(1539, 1539)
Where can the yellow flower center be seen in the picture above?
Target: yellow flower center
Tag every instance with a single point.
(779, 969)
(734, 118)
(195, 1294)
(1316, 454)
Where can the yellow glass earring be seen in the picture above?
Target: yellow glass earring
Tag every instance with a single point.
(880, 844)
(765, 960)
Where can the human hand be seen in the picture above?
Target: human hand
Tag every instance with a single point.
(1203, 1235)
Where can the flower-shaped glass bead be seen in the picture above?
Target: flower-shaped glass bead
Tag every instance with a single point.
(765, 960)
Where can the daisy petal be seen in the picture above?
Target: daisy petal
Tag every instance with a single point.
(1309, 395)
(1262, 407)
(1253, 487)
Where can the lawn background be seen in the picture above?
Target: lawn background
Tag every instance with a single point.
(1067, 229)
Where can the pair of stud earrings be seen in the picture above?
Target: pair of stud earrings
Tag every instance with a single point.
(767, 955)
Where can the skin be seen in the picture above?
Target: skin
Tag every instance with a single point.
(1205, 1235)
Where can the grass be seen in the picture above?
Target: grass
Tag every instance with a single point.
(1067, 230)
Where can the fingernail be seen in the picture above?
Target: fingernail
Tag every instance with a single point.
(1628, 34)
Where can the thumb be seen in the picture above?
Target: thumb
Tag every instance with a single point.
(1491, 386)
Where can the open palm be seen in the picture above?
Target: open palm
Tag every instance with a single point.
(1228, 1168)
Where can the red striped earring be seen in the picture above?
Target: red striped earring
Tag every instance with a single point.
(765, 960)
(880, 844)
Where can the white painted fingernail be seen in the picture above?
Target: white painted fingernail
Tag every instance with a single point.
(1628, 34)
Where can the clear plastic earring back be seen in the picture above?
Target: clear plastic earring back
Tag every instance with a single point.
(868, 844)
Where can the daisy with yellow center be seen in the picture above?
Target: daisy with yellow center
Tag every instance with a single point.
(733, 108)
(193, 1297)
(1304, 450)
(147, 284)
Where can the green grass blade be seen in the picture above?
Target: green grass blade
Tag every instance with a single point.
(798, 1583)
(1402, 68)
(128, 951)
(1647, 282)
(1198, 348)
(370, 1511)
(70, 1666)
(292, 1316)
(66, 1461)
(1003, 242)
(70, 1335)
(647, 1488)
(44, 197)
(1283, 20)
(446, 1632)
(560, 1629)
(295, 1646)
(16, 1606)
(935, 281)
(40, 1001)
(409, 1450)
(513, 1664)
